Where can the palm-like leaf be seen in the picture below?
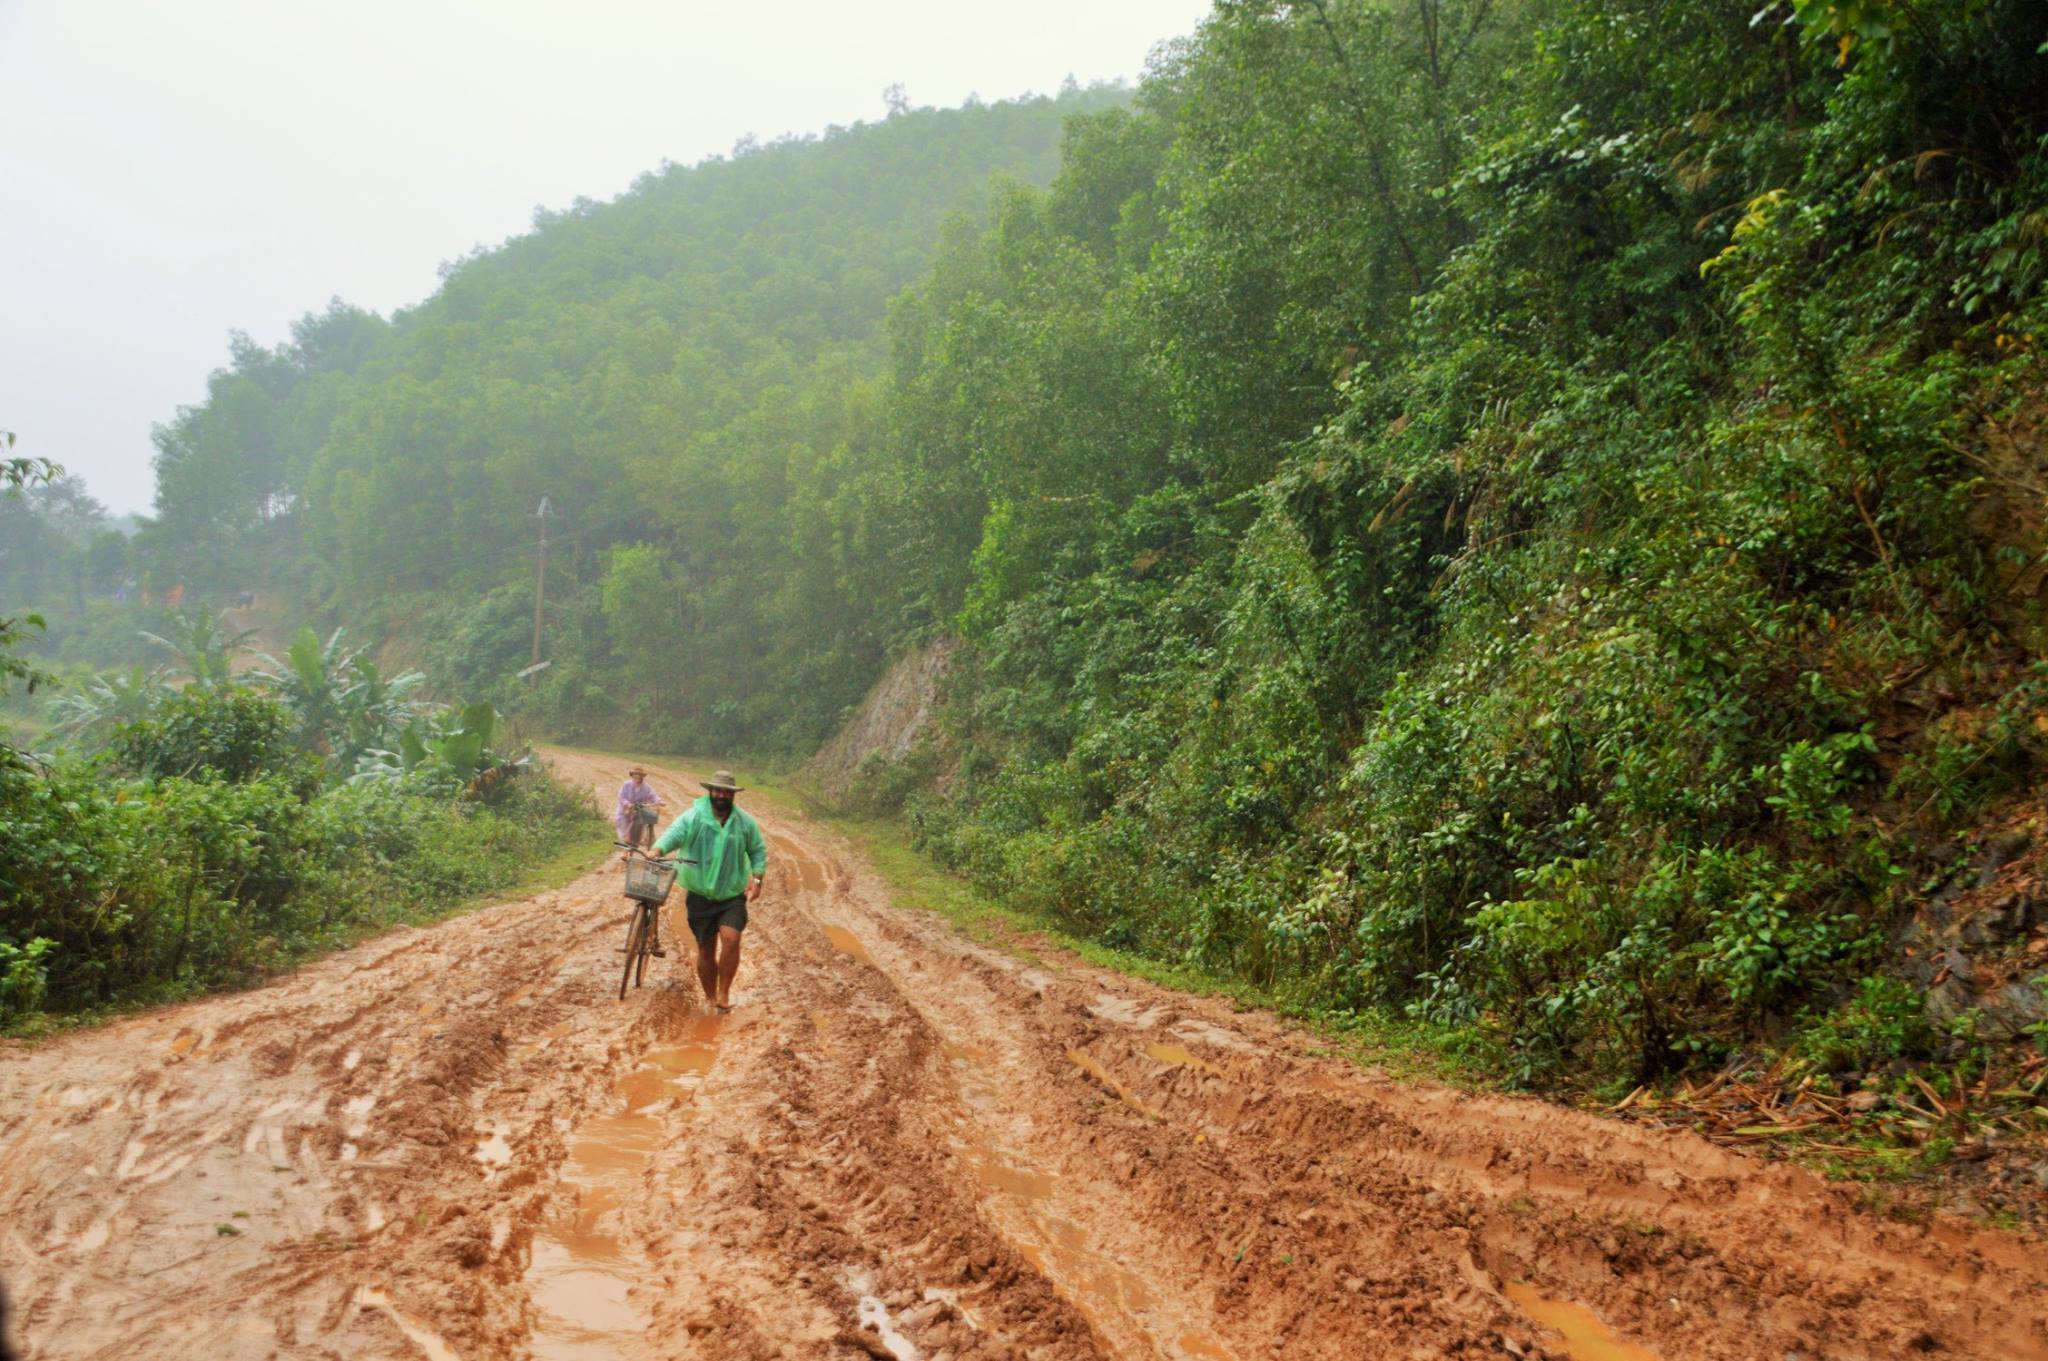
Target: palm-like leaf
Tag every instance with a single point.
(315, 679)
(203, 645)
(374, 709)
(107, 702)
(448, 746)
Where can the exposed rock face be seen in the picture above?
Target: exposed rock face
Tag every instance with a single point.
(890, 722)
(1975, 943)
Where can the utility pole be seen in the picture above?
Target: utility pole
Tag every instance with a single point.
(540, 578)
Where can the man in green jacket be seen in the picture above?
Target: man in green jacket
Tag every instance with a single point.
(731, 860)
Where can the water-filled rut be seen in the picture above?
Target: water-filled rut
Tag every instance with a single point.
(458, 1143)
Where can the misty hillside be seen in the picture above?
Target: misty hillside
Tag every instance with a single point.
(673, 366)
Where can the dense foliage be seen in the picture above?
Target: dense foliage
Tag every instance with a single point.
(1536, 507)
(201, 835)
(1525, 511)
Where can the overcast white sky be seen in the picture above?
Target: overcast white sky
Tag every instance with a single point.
(169, 172)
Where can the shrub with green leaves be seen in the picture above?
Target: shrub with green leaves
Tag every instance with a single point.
(208, 845)
(231, 732)
(1883, 1022)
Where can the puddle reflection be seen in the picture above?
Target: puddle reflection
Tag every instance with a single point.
(1585, 1336)
(495, 1150)
(844, 940)
(1178, 1056)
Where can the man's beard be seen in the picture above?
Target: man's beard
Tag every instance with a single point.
(719, 805)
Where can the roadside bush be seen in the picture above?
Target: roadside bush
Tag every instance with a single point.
(233, 732)
(214, 879)
(116, 891)
(1885, 1021)
(399, 854)
(154, 890)
(63, 846)
(23, 978)
(881, 786)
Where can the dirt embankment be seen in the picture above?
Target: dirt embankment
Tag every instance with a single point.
(890, 722)
(458, 1142)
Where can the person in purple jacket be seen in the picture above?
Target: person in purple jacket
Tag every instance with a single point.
(635, 815)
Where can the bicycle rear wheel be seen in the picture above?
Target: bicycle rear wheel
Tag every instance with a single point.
(636, 944)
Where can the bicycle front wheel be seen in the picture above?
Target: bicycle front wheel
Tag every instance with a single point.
(648, 940)
(636, 944)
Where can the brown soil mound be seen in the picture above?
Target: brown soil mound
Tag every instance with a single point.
(458, 1143)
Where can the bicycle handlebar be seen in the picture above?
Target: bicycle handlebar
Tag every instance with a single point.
(659, 860)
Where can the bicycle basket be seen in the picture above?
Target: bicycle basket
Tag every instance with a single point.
(648, 882)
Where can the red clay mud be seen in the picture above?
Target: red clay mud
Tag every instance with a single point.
(457, 1143)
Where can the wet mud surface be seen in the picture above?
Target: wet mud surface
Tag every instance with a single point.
(458, 1143)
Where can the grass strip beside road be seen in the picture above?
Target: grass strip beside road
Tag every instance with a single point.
(1904, 1183)
(1369, 1038)
(564, 867)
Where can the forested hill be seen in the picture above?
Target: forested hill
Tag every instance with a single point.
(1523, 511)
(685, 365)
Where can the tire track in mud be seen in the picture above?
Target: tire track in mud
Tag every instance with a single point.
(458, 1143)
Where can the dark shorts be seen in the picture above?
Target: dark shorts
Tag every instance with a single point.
(706, 915)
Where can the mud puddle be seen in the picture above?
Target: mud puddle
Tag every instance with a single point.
(1022, 1203)
(871, 1313)
(1586, 1338)
(810, 873)
(1179, 1056)
(845, 941)
(581, 1274)
(494, 1150)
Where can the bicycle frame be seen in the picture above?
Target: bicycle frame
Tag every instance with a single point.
(642, 930)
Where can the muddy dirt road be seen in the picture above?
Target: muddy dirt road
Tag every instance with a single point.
(458, 1143)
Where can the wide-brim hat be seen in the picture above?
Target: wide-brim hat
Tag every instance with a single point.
(723, 780)
(636, 770)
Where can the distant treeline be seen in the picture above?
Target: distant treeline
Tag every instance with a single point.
(1490, 507)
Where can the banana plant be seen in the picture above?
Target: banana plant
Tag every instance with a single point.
(454, 746)
(343, 703)
(105, 702)
(310, 680)
(376, 707)
(203, 645)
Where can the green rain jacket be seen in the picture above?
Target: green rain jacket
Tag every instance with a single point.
(726, 853)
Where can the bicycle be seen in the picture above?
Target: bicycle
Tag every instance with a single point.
(649, 881)
(643, 829)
